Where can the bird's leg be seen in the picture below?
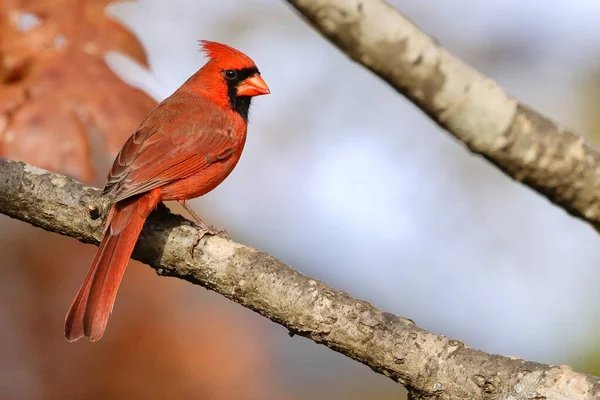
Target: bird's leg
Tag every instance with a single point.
(204, 227)
(192, 212)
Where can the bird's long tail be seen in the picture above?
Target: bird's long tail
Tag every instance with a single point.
(89, 312)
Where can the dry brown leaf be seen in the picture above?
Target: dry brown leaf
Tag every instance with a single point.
(55, 87)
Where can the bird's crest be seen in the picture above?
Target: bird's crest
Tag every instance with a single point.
(222, 52)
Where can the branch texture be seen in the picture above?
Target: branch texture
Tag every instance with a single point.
(430, 366)
(524, 144)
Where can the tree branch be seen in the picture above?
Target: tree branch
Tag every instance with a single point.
(430, 366)
(524, 144)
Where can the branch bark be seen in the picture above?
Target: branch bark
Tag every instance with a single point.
(521, 142)
(430, 366)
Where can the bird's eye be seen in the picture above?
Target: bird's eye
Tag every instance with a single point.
(230, 74)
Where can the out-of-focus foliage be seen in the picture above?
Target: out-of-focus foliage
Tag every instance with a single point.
(590, 106)
(55, 86)
(163, 341)
(587, 359)
(56, 92)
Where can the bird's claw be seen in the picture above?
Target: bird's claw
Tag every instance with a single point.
(211, 230)
(205, 229)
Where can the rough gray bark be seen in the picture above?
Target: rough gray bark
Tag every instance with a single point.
(524, 144)
(430, 366)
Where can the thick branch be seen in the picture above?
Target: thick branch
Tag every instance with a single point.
(430, 366)
(524, 144)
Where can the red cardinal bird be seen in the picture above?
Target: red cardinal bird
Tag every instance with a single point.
(186, 147)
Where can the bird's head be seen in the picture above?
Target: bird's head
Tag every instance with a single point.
(230, 78)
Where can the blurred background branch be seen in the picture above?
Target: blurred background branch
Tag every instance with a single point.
(526, 145)
(428, 365)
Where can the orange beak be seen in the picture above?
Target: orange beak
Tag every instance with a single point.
(253, 86)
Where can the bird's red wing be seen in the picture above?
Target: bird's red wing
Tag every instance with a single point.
(155, 156)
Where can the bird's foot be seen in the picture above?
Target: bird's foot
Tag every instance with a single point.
(205, 229)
